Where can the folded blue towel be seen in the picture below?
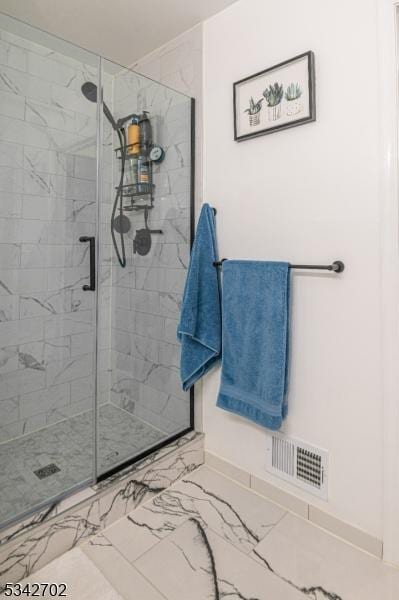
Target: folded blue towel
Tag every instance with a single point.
(200, 327)
(255, 310)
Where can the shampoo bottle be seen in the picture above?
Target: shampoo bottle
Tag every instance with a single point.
(145, 133)
(133, 137)
(143, 173)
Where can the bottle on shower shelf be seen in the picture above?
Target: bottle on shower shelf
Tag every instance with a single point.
(143, 173)
(131, 173)
(132, 152)
(133, 137)
(145, 133)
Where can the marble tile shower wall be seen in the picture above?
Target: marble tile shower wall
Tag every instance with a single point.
(147, 294)
(178, 64)
(47, 186)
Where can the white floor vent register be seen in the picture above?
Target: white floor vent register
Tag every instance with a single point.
(301, 464)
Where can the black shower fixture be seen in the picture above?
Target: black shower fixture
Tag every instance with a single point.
(89, 91)
(143, 240)
(120, 223)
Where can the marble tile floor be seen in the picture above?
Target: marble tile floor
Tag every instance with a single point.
(69, 445)
(209, 538)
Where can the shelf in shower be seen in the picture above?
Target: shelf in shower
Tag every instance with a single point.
(134, 206)
(136, 189)
(124, 151)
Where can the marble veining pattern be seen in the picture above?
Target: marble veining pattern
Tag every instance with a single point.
(145, 354)
(68, 444)
(204, 537)
(48, 186)
(27, 551)
(47, 183)
(208, 538)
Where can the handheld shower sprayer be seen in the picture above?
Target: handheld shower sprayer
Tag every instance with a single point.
(89, 91)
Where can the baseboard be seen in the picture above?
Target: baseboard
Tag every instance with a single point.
(292, 503)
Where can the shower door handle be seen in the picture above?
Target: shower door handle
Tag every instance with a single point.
(92, 240)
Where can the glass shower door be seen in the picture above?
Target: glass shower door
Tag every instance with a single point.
(89, 378)
(47, 321)
(145, 214)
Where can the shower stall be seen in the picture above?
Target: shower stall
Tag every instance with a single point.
(95, 238)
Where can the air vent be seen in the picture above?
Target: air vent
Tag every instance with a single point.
(283, 456)
(301, 464)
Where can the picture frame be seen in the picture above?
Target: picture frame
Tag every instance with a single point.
(277, 98)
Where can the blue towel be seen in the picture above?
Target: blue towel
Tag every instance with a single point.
(200, 327)
(255, 310)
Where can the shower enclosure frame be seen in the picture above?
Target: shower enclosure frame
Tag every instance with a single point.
(129, 462)
(98, 476)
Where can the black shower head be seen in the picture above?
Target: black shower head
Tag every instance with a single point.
(89, 91)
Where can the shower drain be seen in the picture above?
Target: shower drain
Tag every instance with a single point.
(47, 471)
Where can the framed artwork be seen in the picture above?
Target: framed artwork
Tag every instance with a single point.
(277, 98)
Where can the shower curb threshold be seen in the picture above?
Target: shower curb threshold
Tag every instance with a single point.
(32, 543)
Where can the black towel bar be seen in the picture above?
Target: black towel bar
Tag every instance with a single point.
(337, 266)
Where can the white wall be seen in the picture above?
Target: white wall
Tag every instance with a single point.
(310, 195)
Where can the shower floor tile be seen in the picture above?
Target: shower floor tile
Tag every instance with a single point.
(68, 447)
